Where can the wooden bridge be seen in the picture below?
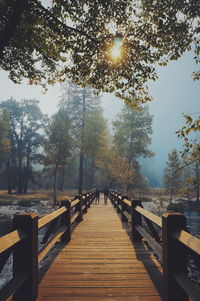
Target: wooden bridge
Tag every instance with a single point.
(111, 255)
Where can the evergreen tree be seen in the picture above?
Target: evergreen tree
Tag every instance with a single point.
(79, 102)
(132, 130)
(58, 146)
(172, 173)
(95, 144)
(191, 177)
(186, 180)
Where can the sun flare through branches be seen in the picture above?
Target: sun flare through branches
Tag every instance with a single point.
(116, 50)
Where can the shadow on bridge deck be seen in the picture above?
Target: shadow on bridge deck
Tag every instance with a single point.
(101, 263)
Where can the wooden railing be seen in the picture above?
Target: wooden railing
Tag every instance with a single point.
(169, 239)
(23, 243)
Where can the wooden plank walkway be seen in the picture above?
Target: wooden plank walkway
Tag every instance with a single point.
(101, 263)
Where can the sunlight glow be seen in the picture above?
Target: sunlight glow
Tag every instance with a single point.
(116, 50)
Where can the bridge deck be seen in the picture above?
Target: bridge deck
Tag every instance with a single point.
(101, 263)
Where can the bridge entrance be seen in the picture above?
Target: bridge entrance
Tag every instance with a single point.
(102, 263)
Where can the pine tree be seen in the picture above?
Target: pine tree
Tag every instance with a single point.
(95, 144)
(57, 146)
(79, 102)
(132, 130)
(172, 173)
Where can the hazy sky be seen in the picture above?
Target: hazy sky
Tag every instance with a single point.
(174, 93)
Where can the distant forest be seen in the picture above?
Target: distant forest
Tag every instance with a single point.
(74, 148)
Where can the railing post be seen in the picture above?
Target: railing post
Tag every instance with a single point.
(88, 200)
(174, 255)
(136, 219)
(113, 197)
(118, 202)
(80, 207)
(84, 198)
(92, 196)
(66, 220)
(123, 218)
(25, 256)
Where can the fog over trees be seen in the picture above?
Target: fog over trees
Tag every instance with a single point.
(74, 146)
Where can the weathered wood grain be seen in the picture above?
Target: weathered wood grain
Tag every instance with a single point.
(102, 263)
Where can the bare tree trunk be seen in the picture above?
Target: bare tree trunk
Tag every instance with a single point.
(93, 175)
(80, 188)
(80, 174)
(198, 180)
(20, 176)
(9, 181)
(27, 169)
(20, 150)
(171, 194)
(54, 186)
(61, 178)
(171, 189)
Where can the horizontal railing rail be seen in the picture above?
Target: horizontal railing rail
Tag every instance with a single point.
(167, 236)
(22, 242)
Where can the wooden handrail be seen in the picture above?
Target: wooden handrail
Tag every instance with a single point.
(42, 252)
(154, 245)
(190, 241)
(187, 285)
(43, 221)
(12, 286)
(74, 217)
(127, 202)
(74, 203)
(24, 284)
(173, 228)
(10, 240)
(172, 252)
(152, 217)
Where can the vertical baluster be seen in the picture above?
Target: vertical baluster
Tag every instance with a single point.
(25, 256)
(66, 220)
(174, 255)
(118, 202)
(84, 203)
(80, 207)
(136, 219)
(88, 200)
(123, 208)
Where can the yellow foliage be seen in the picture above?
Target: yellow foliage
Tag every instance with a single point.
(121, 170)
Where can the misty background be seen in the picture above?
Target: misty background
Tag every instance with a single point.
(174, 93)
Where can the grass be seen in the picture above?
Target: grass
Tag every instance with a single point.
(34, 196)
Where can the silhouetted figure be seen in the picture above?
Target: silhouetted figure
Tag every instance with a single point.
(97, 195)
(105, 191)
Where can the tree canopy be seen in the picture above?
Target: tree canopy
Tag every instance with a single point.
(132, 133)
(23, 122)
(48, 41)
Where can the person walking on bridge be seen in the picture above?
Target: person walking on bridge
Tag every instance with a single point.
(97, 194)
(105, 191)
